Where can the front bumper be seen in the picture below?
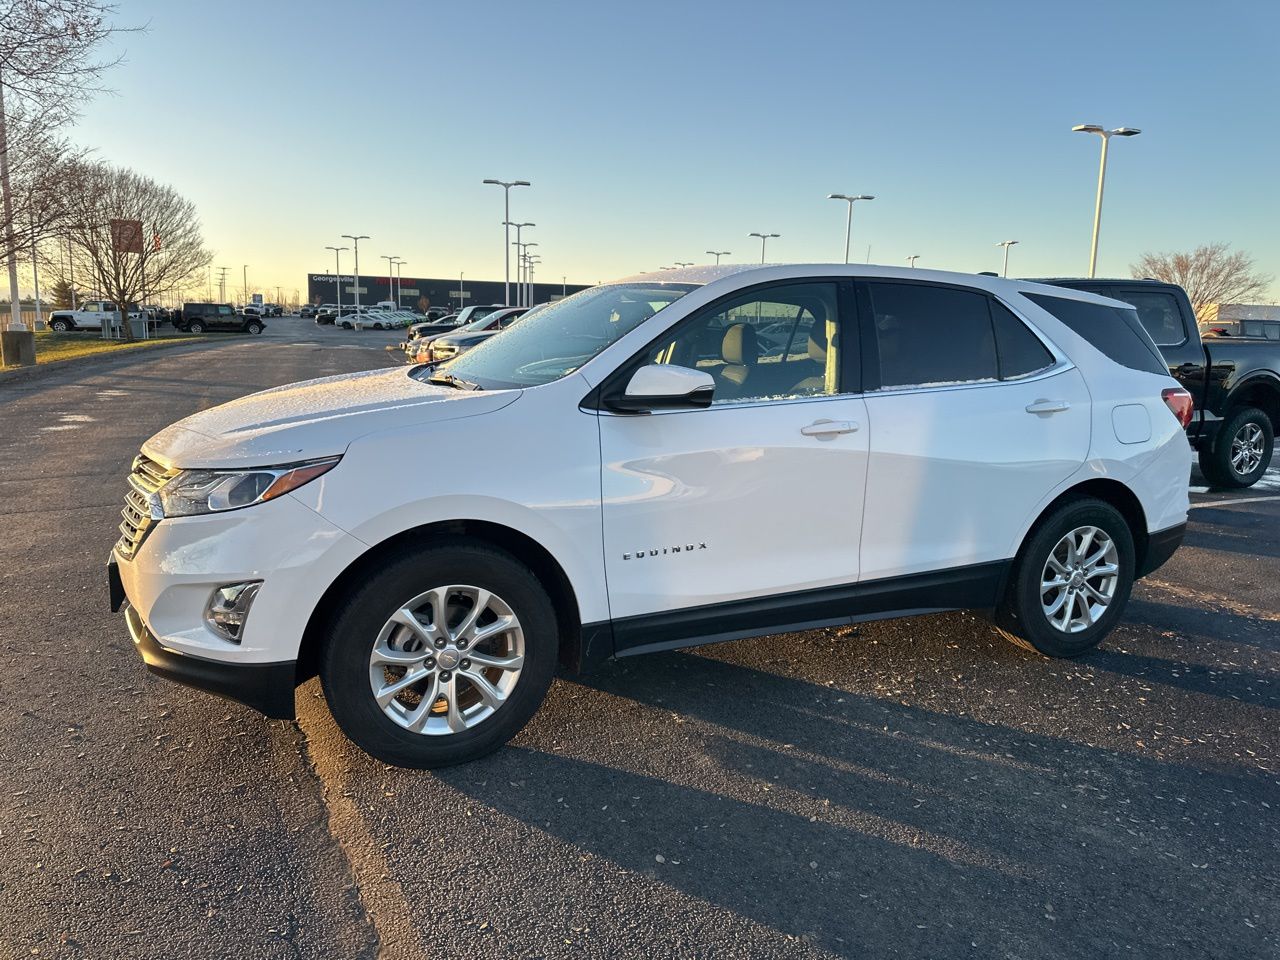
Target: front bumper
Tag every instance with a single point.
(266, 687)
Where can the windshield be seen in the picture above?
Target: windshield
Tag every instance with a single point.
(562, 336)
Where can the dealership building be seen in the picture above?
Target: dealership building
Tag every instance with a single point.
(419, 293)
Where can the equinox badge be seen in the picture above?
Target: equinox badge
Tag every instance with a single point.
(661, 551)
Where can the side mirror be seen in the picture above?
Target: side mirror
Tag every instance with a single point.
(664, 386)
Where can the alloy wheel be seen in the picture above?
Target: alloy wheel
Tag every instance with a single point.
(447, 660)
(1079, 579)
(1247, 448)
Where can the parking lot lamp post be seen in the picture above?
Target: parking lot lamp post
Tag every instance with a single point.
(684, 263)
(391, 269)
(911, 260)
(245, 298)
(718, 254)
(1006, 244)
(528, 285)
(764, 238)
(356, 254)
(848, 223)
(337, 274)
(1106, 136)
(519, 227)
(506, 222)
(400, 281)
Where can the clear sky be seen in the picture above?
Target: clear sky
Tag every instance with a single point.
(654, 131)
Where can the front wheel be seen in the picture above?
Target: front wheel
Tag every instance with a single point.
(1070, 581)
(59, 325)
(1241, 451)
(254, 327)
(441, 657)
(195, 326)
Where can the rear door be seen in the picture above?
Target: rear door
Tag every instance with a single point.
(224, 317)
(974, 419)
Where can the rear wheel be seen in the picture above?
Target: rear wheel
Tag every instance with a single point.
(1241, 451)
(1070, 582)
(441, 657)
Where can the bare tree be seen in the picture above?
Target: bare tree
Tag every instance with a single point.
(1210, 274)
(42, 167)
(131, 236)
(47, 66)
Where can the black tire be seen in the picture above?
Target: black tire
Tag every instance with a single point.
(1216, 460)
(195, 326)
(60, 325)
(346, 325)
(351, 633)
(254, 327)
(1021, 618)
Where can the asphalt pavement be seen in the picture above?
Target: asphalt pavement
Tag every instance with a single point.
(912, 788)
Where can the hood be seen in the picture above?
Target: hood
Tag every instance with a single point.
(315, 418)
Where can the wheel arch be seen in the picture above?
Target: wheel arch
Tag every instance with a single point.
(520, 545)
(1109, 491)
(1261, 391)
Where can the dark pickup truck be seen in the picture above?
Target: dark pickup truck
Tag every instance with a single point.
(1235, 382)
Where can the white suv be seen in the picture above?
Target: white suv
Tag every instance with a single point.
(620, 473)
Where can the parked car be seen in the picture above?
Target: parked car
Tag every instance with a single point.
(307, 311)
(1235, 382)
(961, 446)
(90, 315)
(446, 346)
(252, 310)
(212, 317)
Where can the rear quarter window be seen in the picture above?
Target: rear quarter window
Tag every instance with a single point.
(1115, 331)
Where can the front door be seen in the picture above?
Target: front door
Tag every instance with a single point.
(726, 510)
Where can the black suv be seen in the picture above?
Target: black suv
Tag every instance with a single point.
(201, 317)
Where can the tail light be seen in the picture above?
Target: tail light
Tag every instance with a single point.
(1180, 402)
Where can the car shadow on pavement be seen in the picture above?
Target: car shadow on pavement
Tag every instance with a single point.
(824, 814)
(1242, 686)
(1219, 626)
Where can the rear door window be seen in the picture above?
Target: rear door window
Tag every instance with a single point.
(929, 336)
(1115, 331)
(1020, 351)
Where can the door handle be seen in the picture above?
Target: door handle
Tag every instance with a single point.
(828, 429)
(1048, 406)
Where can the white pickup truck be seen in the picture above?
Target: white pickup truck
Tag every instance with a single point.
(89, 316)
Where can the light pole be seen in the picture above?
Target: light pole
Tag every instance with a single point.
(1006, 244)
(519, 227)
(337, 273)
(506, 222)
(356, 241)
(1106, 136)
(528, 284)
(564, 287)
(462, 291)
(911, 260)
(848, 223)
(684, 263)
(532, 261)
(399, 281)
(718, 254)
(764, 238)
(245, 299)
(391, 264)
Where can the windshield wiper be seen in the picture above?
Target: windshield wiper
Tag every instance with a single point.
(449, 380)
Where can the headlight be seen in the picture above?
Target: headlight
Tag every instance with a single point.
(193, 492)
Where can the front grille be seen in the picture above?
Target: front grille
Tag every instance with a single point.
(146, 478)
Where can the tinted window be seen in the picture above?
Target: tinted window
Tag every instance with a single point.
(1158, 313)
(1114, 331)
(931, 336)
(1020, 350)
(775, 343)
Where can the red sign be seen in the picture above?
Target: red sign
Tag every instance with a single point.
(155, 241)
(126, 236)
